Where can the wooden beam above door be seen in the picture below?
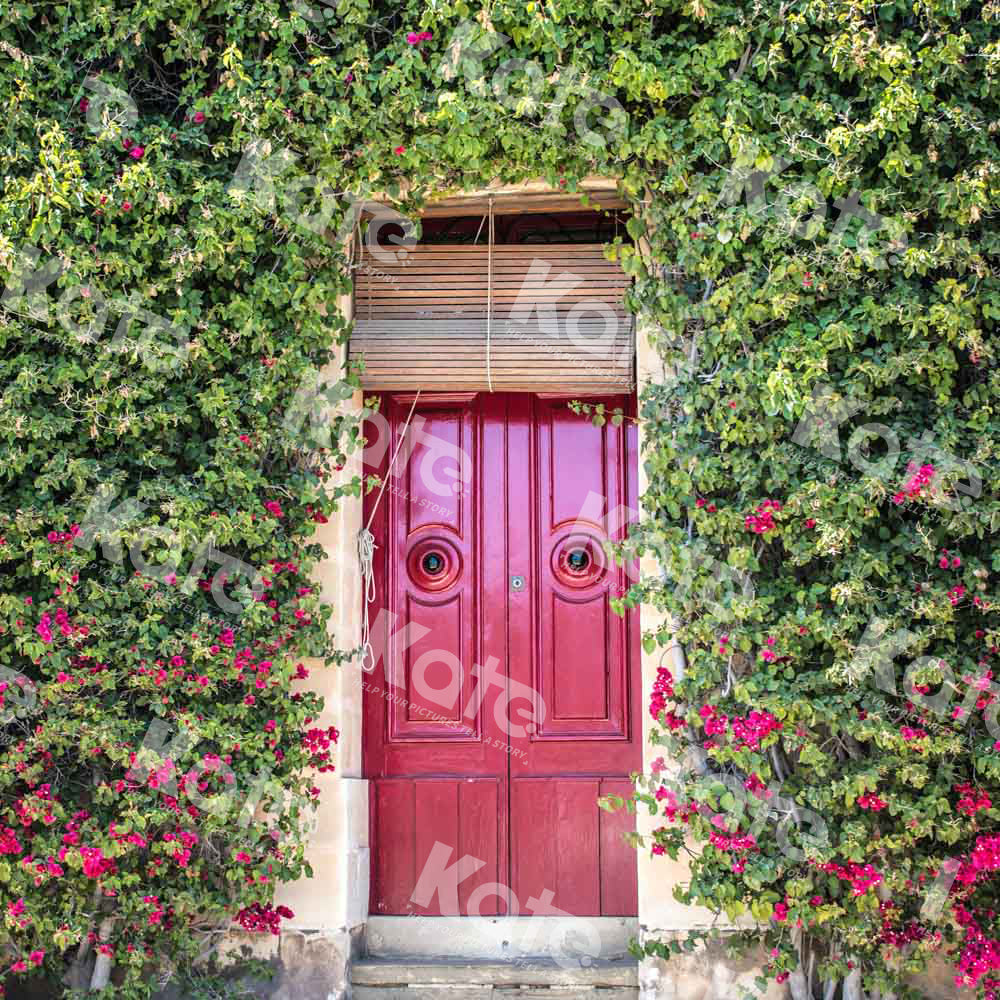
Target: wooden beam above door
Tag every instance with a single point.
(526, 197)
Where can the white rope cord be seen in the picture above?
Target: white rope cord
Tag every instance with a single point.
(366, 553)
(489, 299)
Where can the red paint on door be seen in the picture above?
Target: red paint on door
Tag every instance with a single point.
(505, 699)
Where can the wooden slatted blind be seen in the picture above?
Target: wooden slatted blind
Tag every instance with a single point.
(557, 323)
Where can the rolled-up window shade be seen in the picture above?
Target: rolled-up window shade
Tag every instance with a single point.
(558, 319)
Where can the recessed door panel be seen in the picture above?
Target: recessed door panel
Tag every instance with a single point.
(425, 825)
(577, 659)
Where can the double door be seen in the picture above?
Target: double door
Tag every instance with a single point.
(505, 697)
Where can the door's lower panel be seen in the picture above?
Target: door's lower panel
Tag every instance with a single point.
(438, 852)
(567, 851)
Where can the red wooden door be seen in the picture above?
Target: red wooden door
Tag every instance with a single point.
(504, 698)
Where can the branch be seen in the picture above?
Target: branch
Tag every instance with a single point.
(103, 964)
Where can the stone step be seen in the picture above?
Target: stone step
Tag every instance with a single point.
(421, 993)
(527, 979)
(499, 993)
(526, 972)
(499, 939)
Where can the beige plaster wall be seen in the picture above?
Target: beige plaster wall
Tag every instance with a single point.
(331, 908)
(658, 910)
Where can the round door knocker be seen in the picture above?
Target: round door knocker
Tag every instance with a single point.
(434, 563)
(578, 560)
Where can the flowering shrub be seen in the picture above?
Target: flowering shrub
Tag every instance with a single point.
(835, 725)
(159, 745)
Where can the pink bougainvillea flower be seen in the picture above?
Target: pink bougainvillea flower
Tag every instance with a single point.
(261, 917)
(755, 727)
(972, 799)
(914, 487)
(663, 688)
(137, 152)
(126, 206)
(127, 144)
(871, 801)
(198, 117)
(84, 105)
(399, 150)
(762, 520)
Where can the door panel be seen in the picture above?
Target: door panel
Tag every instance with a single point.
(424, 711)
(414, 814)
(555, 842)
(619, 873)
(433, 579)
(499, 712)
(566, 642)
